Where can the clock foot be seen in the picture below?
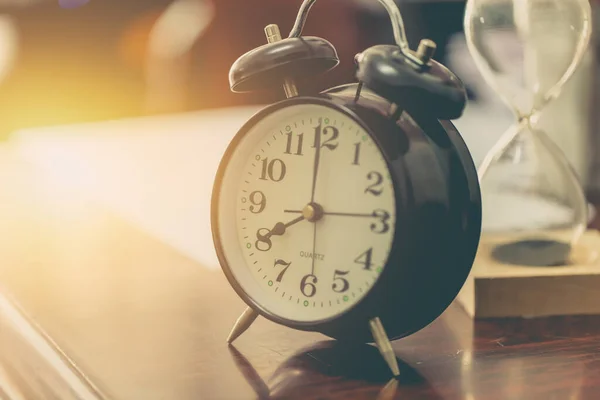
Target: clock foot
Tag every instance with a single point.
(389, 390)
(242, 324)
(383, 344)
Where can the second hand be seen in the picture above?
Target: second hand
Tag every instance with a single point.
(314, 248)
(334, 214)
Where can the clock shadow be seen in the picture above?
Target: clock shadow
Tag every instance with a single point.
(331, 367)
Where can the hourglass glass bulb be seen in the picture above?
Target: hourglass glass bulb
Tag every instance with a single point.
(534, 207)
(533, 203)
(527, 49)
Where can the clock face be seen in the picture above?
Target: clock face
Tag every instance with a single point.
(306, 212)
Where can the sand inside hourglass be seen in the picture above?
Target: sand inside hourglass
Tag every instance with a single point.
(526, 236)
(533, 204)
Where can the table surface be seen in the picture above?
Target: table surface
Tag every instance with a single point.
(135, 318)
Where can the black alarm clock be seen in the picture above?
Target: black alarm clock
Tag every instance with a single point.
(354, 212)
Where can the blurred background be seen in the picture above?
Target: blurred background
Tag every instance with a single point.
(66, 62)
(72, 61)
(129, 101)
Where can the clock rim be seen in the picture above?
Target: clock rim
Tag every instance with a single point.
(399, 204)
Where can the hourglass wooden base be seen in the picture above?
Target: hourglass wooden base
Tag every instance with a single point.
(497, 290)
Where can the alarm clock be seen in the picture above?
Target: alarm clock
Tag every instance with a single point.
(354, 212)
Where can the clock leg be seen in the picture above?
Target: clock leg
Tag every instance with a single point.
(383, 344)
(242, 324)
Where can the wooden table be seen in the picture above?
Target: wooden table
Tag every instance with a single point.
(112, 312)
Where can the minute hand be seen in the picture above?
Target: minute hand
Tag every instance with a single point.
(316, 162)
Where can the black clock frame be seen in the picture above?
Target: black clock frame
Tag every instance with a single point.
(438, 217)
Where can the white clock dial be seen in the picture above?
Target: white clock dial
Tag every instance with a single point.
(306, 254)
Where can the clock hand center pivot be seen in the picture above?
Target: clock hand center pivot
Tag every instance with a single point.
(312, 212)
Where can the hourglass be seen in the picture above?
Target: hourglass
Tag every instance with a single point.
(534, 206)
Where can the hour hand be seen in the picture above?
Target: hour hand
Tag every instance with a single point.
(280, 228)
(263, 242)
